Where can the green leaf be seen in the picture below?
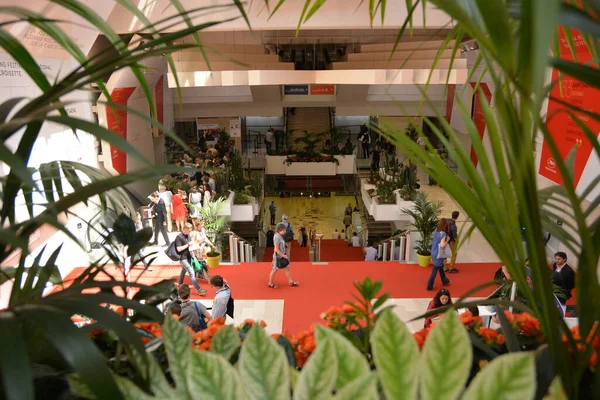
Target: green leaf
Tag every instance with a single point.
(556, 392)
(396, 356)
(225, 342)
(75, 347)
(7, 106)
(363, 388)
(351, 363)
(446, 360)
(17, 378)
(16, 50)
(177, 342)
(214, 377)
(279, 4)
(317, 4)
(318, 376)
(510, 376)
(262, 367)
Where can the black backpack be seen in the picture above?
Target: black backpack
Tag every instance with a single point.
(230, 306)
(288, 236)
(171, 251)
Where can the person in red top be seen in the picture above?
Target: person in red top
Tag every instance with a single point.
(179, 210)
(441, 299)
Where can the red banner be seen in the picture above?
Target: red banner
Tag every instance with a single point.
(160, 104)
(116, 120)
(564, 130)
(478, 117)
(450, 101)
(322, 89)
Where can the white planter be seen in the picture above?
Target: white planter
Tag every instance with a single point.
(226, 208)
(311, 168)
(347, 165)
(244, 212)
(275, 165)
(384, 212)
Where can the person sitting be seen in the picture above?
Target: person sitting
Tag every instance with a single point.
(370, 252)
(563, 276)
(355, 240)
(193, 313)
(222, 296)
(441, 299)
(336, 235)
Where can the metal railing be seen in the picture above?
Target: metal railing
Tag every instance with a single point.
(240, 249)
(363, 237)
(386, 249)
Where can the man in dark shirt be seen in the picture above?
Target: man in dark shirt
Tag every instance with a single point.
(182, 244)
(563, 275)
(160, 212)
(272, 211)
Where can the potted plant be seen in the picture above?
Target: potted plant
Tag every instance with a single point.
(425, 216)
(215, 225)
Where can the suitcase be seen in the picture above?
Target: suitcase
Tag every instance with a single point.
(270, 236)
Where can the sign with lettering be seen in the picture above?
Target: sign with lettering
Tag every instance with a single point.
(322, 90)
(564, 130)
(290, 90)
(234, 128)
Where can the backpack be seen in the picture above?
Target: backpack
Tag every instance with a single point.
(230, 306)
(288, 236)
(171, 251)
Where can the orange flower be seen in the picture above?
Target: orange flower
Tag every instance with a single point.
(466, 318)
(275, 336)
(419, 339)
(250, 322)
(119, 310)
(510, 317)
(217, 321)
(489, 335)
(212, 330)
(531, 328)
(308, 345)
(500, 339)
(348, 309)
(263, 323)
(205, 345)
(333, 312)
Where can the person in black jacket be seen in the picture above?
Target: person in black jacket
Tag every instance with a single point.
(563, 275)
(160, 212)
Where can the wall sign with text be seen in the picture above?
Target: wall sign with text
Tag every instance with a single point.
(309, 90)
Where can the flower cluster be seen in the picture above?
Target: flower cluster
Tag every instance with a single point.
(303, 344)
(589, 344)
(203, 339)
(351, 317)
(526, 325)
(310, 158)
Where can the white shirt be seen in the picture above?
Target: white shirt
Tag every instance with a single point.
(269, 136)
(167, 197)
(355, 241)
(371, 254)
(206, 197)
(335, 235)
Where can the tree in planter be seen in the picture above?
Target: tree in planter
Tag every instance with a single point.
(214, 223)
(425, 215)
(385, 191)
(309, 141)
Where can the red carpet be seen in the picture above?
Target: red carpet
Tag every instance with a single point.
(338, 250)
(323, 286)
(299, 254)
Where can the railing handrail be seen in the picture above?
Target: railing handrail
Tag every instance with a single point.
(397, 236)
(231, 233)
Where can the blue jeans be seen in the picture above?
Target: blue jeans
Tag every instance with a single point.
(434, 271)
(186, 267)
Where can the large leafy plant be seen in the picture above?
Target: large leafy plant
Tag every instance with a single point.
(425, 215)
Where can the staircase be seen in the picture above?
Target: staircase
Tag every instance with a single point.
(310, 119)
(247, 230)
(377, 229)
(338, 250)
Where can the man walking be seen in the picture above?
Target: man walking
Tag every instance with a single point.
(167, 197)
(182, 243)
(288, 235)
(279, 254)
(453, 240)
(272, 210)
(269, 139)
(365, 140)
(222, 296)
(160, 212)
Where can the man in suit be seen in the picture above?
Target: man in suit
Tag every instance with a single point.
(160, 212)
(563, 275)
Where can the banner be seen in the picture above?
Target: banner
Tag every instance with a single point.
(289, 90)
(322, 90)
(159, 97)
(116, 120)
(564, 130)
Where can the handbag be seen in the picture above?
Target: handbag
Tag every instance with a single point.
(444, 252)
(171, 251)
(282, 262)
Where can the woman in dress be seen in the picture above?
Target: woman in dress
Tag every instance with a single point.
(179, 210)
(196, 202)
(207, 194)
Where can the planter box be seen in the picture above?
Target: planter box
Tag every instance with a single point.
(384, 212)
(310, 168)
(347, 165)
(275, 165)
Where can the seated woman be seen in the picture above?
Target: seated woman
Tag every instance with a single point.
(441, 299)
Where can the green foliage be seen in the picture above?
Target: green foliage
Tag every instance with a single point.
(241, 197)
(214, 222)
(309, 142)
(425, 215)
(385, 191)
(256, 186)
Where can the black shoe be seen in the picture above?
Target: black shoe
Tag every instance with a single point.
(152, 244)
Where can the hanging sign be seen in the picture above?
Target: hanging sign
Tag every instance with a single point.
(290, 90)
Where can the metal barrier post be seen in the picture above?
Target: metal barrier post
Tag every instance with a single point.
(242, 255)
(248, 252)
(379, 251)
(385, 248)
(233, 248)
(402, 249)
(392, 250)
